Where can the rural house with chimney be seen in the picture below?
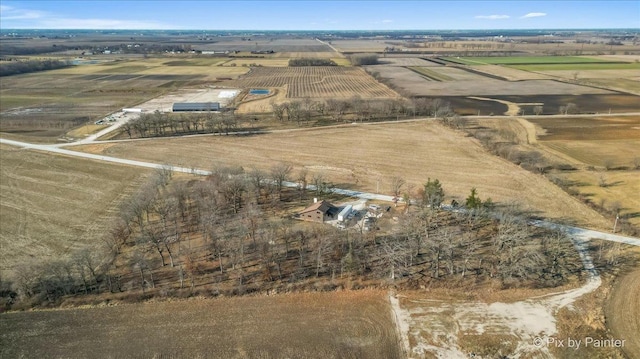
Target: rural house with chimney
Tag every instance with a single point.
(319, 211)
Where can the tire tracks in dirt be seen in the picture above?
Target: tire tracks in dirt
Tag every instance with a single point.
(622, 312)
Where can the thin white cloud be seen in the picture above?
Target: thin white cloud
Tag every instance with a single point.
(387, 21)
(533, 14)
(492, 17)
(8, 13)
(26, 18)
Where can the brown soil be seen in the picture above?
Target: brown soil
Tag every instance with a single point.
(623, 312)
(304, 325)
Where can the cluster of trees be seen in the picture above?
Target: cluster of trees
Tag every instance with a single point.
(363, 59)
(311, 62)
(8, 68)
(359, 109)
(225, 235)
(170, 124)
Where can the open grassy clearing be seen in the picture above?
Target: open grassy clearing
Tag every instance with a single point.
(305, 325)
(620, 189)
(626, 84)
(369, 155)
(50, 204)
(315, 82)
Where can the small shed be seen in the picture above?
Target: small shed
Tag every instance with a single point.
(319, 212)
(195, 106)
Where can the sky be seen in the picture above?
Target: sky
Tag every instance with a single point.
(320, 14)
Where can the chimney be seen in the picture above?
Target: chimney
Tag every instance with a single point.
(315, 200)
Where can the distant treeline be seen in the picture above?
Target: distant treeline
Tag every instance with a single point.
(8, 68)
(311, 62)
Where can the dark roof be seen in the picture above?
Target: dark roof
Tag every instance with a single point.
(196, 106)
(322, 206)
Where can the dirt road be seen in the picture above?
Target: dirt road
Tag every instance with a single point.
(623, 313)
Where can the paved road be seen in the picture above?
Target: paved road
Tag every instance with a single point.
(577, 232)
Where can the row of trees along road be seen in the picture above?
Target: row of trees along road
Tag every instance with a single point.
(231, 233)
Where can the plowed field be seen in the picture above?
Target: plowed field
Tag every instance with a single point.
(305, 325)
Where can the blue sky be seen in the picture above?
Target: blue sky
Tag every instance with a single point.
(319, 14)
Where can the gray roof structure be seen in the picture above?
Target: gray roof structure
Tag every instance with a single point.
(196, 106)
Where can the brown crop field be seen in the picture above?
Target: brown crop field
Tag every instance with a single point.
(316, 82)
(304, 325)
(596, 141)
(370, 155)
(52, 204)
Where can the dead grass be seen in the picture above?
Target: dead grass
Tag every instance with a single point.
(303, 325)
(623, 312)
(366, 157)
(50, 204)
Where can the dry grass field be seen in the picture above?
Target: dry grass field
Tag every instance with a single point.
(51, 204)
(367, 156)
(315, 82)
(623, 312)
(304, 325)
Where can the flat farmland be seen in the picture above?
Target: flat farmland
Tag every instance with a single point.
(467, 83)
(527, 60)
(50, 204)
(45, 105)
(370, 155)
(344, 324)
(265, 43)
(316, 82)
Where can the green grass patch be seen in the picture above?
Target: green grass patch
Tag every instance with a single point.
(433, 75)
(577, 67)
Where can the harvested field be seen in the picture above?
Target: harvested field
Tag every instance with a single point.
(623, 312)
(406, 61)
(305, 325)
(268, 62)
(511, 74)
(50, 103)
(368, 153)
(586, 103)
(526, 60)
(589, 128)
(599, 153)
(50, 204)
(316, 82)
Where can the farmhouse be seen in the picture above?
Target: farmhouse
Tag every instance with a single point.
(318, 212)
(196, 106)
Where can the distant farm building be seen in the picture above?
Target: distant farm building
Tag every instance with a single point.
(319, 212)
(196, 106)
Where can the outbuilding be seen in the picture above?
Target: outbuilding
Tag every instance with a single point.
(195, 106)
